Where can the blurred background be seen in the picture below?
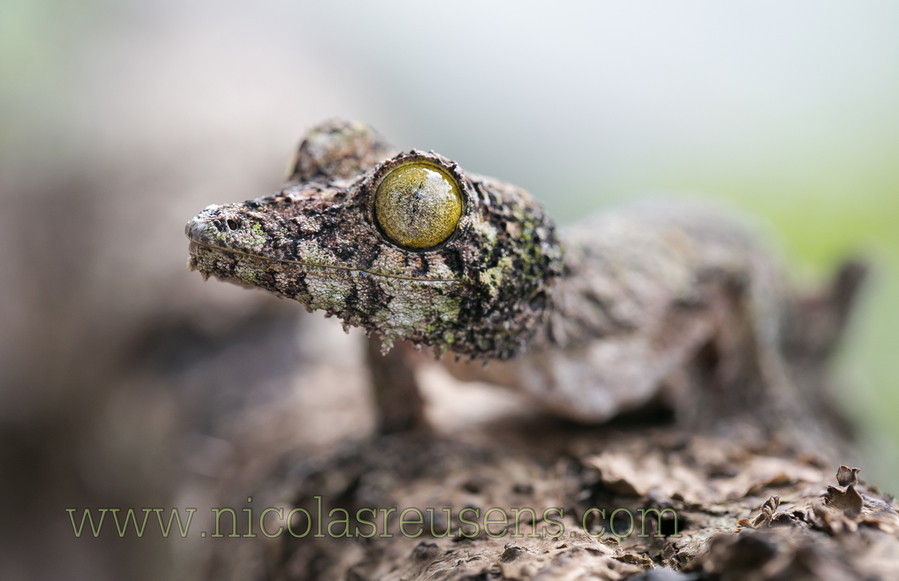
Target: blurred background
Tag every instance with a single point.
(128, 382)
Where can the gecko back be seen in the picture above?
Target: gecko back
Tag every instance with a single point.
(663, 305)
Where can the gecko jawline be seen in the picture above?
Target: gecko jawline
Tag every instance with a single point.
(196, 247)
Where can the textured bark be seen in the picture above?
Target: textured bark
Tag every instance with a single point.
(746, 508)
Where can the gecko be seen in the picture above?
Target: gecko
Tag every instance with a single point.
(659, 303)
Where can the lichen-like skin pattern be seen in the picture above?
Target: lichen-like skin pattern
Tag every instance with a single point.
(483, 292)
(662, 302)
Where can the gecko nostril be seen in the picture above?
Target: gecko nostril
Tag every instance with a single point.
(233, 224)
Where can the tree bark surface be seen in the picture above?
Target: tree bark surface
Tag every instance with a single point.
(742, 507)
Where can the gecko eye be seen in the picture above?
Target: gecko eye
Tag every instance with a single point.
(418, 205)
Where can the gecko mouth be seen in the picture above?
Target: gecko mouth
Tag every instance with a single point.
(196, 263)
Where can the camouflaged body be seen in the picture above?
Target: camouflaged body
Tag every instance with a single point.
(482, 293)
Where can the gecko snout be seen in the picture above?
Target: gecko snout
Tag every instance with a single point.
(197, 229)
(226, 228)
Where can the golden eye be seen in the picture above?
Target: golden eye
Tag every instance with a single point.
(418, 205)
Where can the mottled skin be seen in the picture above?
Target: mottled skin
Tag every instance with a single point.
(482, 293)
(653, 295)
(645, 304)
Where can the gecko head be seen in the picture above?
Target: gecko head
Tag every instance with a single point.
(408, 245)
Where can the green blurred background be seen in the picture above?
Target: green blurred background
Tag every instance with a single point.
(120, 119)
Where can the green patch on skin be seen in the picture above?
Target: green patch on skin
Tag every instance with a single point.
(492, 278)
(246, 274)
(448, 259)
(257, 237)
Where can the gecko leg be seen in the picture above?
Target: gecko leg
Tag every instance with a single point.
(398, 399)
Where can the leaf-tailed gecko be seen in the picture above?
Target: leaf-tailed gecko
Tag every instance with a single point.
(656, 303)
